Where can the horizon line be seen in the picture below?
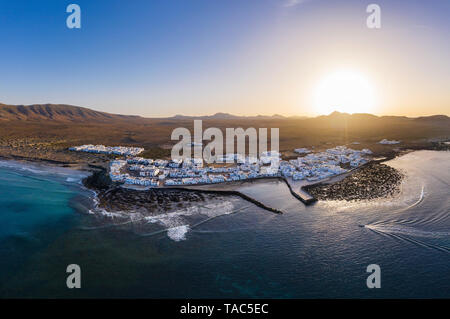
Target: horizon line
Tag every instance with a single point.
(227, 113)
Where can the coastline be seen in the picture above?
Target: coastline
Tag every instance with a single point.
(48, 162)
(49, 167)
(174, 240)
(72, 176)
(94, 182)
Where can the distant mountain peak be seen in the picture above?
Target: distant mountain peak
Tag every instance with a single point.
(223, 115)
(337, 113)
(226, 116)
(56, 112)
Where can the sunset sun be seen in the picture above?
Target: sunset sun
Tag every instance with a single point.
(344, 91)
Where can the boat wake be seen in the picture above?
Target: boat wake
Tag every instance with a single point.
(404, 233)
(405, 230)
(418, 202)
(410, 227)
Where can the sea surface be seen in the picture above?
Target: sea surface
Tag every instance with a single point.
(226, 248)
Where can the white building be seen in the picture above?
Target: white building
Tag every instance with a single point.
(388, 142)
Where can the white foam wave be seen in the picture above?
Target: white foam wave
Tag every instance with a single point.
(105, 213)
(42, 169)
(174, 223)
(178, 233)
(175, 220)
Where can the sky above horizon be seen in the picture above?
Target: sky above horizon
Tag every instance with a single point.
(197, 57)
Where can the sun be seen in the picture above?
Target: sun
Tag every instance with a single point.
(344, 91)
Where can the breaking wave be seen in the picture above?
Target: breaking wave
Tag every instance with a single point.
(72, 175)
(73, 180)
(178, 233)
(176, 223)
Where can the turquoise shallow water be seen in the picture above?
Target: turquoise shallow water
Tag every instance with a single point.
(229, 248)
(29, 203)
(35, 209)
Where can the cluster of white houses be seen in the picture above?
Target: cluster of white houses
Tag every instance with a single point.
(317, 166)
(388, 142)
(311, 167)
(101, 149)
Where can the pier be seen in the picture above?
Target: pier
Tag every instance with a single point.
(229, 188)
(298, 192)
(229, 192)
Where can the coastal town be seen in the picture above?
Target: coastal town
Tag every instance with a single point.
(101, 149)
(309, 165)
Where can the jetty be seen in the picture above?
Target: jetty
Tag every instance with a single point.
(229, 192)
(298, 192)
(228, 188)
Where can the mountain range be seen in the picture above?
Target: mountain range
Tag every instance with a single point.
(56, 112)
(75, 114)
(228, 116)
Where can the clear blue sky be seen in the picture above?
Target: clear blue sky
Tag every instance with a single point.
(165, 57)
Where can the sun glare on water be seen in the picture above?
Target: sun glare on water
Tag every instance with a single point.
(344, 91)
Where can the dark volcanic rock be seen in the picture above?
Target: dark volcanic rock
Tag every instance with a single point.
(151, 201)
(99, 180)
(372, 181)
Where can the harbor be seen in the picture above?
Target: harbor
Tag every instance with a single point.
(309, 167)
(223, 176)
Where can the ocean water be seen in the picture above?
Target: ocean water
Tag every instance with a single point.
(227, 248)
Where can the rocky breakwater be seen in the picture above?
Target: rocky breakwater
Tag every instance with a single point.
(371, 181)
(150, 202)
(113, 198)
